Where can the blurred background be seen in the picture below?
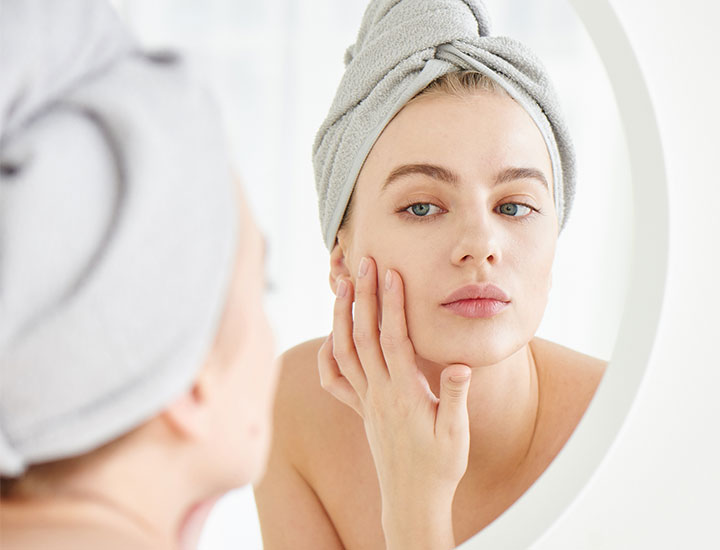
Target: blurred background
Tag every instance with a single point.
(274, 68)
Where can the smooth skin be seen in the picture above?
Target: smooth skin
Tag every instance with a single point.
(364, 454)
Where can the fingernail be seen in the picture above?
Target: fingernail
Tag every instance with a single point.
(341, 289)
(388, 280)
(363, 267)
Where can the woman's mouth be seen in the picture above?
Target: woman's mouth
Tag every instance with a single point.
(477, 301)
(477, 308)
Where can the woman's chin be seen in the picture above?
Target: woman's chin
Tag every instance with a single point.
(472, 361)
(472, 351)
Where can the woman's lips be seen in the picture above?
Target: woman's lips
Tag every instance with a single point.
(477, 301)
(477, 308)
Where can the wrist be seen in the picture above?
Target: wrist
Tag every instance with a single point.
(418, 524)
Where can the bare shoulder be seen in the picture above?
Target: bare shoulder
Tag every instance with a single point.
(299, 389)
(299, 379)
(304, 412)
(567, 366)
(314, 437)
(567, 381)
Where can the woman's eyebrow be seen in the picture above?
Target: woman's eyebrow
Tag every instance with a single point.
(436, 172)
(512, 174)
(448, 176)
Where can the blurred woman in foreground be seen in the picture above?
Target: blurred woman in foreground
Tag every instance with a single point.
(136, 372)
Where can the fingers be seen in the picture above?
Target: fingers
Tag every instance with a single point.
(396, 345)
(452, 415)
(332, 380)
(343, 346)
(366, 334)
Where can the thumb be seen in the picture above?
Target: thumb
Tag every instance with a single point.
(452, 413)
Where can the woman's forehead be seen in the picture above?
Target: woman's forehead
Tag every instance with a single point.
(454, 138)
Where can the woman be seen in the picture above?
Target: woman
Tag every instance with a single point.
(135, 356)
(445, 174)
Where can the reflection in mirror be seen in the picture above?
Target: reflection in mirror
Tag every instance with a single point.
(283, 96)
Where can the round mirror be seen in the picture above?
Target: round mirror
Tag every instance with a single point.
(562, 482)
(275, 68)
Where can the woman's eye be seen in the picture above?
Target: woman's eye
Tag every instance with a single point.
(514, 209)
(422, 209)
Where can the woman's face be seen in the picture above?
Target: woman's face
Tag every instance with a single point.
(478, 172)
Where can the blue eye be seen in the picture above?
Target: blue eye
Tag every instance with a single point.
(514, 209)
(422, 209)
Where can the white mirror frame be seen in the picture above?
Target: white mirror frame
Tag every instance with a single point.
(553, 493)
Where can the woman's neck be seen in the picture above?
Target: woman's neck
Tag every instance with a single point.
(503, 407)
(122, 496)
(65, 521)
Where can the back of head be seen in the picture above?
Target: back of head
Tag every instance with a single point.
(117, 234)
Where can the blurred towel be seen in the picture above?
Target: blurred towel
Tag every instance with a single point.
(117, 230)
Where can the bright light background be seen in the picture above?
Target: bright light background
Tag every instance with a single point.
(274, 68)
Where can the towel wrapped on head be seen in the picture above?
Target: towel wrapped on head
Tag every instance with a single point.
(403, 46)
(117, 230)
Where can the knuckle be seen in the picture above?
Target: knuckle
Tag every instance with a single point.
(329, 386)
(454, 392)
(361, 337)
(388, 406)
(340, 354)
(340, 351)
(391, 342)
(456, 432)
(363, 288)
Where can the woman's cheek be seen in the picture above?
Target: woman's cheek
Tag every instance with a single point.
(420, 303)
(539, 273)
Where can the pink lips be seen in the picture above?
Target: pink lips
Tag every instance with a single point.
(479, 301)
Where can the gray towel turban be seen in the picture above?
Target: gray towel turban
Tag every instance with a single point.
(117, 230)
(402, 46)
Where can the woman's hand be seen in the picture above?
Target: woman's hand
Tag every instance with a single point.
(419, 442)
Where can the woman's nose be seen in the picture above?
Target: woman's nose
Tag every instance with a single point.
(477, 242)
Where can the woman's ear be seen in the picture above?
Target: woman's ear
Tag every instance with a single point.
(338, 266)
(188, 414)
